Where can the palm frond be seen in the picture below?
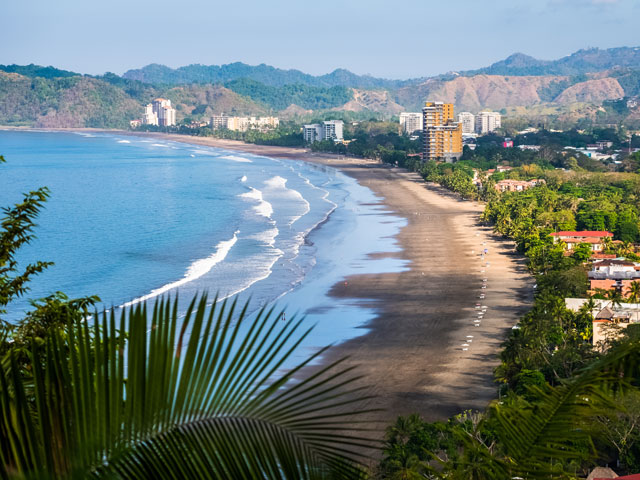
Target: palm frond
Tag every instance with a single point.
(151, 395)
(554, 427)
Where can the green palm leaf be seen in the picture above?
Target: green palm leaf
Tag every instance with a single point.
(536, 436)
(149, 395)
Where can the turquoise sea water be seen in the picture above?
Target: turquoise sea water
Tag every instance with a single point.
(131, 218)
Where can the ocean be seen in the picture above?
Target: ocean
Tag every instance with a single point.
(132, 218)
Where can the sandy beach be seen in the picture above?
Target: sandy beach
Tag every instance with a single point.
(425, 352)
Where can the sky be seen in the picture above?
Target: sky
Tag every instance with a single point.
(384, 38)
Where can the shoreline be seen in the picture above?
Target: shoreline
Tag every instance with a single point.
(412, 354)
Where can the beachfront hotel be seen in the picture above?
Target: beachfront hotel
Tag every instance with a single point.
(159, 112)
(442, 135)
(242, 124)
(328, 130)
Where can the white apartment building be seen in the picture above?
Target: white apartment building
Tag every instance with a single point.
(159, 112)
(328, 130)
(487, 122)
(468, 121)
(411, 122)
(333, 130)
(149, 117)
(312, 132)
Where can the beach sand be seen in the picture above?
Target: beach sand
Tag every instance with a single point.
(413, 354)
(423, 353)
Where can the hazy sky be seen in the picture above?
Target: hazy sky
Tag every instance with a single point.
(393, 39)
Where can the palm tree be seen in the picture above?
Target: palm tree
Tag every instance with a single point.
(616, 297)
(551, 428)
(607, 245)
(150, 395)
(634, 292)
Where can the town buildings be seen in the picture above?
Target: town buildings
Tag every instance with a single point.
(614, 274)
(242, 124)
(327, 130)
(602, 145)
(149, 117)
(609, 319)
(442, 136)
(411, 122)
(468, 121)
(487, 122)
(516, 185)
(571, 239)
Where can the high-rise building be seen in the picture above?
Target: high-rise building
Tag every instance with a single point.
(165, 113)
(328, 130)
(468, 121)
(312, 132)
(442, 136)
(411, 121)
(487, 122)
(149, 117)
(332, 130)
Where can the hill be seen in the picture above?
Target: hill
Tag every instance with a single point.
(583, 61)
(265, 74)
(33, 71)
(497, 92)
(82, 101)
(590, 85)
(75, 101)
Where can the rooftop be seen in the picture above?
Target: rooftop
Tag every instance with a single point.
(586, 233)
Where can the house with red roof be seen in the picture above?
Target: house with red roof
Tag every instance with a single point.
(572, 239)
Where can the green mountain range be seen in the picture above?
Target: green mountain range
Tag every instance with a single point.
(590, 85)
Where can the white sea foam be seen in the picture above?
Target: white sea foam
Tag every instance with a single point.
(124, 141)
(243, 179)
(267, 237)
(193, 155)
(196, 270)
(279, 183)
(263, 208)
(235, 158)
(159, 145)
(208, 153)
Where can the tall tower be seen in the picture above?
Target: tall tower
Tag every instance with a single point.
(442, 136)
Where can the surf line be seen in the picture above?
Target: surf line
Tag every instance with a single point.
(196, 270)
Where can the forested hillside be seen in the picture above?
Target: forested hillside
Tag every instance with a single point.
(266, 74)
